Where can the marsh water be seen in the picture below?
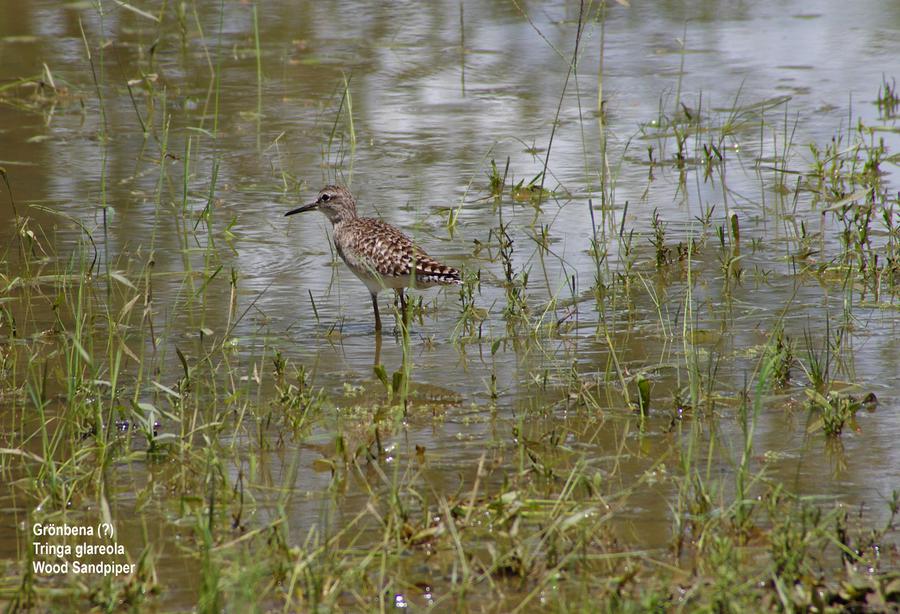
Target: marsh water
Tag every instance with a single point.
(184, 179)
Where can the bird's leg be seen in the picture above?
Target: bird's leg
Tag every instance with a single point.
(377, 349)
(377, 315)
(403, 313)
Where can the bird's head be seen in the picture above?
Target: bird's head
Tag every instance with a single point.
(336, 202)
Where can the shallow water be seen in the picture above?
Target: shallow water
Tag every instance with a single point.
(436, 92)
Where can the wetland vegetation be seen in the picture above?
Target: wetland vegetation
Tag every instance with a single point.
(668, 382)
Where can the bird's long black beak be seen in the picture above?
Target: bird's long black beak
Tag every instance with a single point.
(308, 207)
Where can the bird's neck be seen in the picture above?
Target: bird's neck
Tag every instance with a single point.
(341, 217)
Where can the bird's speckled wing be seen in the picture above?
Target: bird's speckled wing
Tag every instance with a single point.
(367, 243)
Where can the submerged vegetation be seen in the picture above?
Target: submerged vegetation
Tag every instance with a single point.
(590, 421)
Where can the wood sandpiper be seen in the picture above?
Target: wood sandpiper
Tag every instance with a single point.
(379, 254)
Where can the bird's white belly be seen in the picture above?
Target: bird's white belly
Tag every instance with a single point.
(374, 281)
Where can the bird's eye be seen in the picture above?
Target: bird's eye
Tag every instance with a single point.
(325, 197)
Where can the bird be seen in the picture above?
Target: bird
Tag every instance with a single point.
(379, 254)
